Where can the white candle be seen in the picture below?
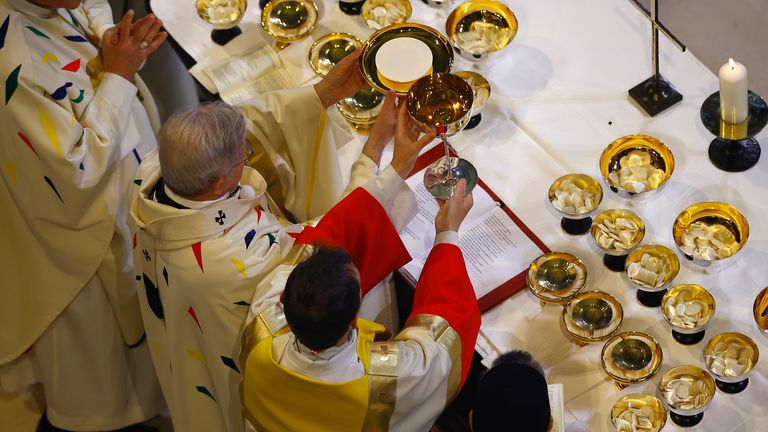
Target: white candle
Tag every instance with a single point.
(733, 92)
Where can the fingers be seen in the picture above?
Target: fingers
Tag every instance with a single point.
(153, 31)
(459, 191)
(124, 26)
(146, 28)
(110, 35)
(425, 139)
(156, 42)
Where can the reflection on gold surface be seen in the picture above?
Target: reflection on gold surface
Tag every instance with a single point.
(577, 330)
(613, 216)
(327, 51)
(361, 109)
(647, 406)
(760, 310)
(556, 277)
(441, 100)
(480, 27)
(287, 21)
(699, 377)
(637, 362)
(712, 213)
(656, 251)
(221, 14)
(661, 156)
(737, 347)
(583, 182)
(687, 294)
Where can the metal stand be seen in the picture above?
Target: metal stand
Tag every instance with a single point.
(734, 149)
(732, 388)
(351, 7)
(688, 339)
(222, 37)
(615, 263)
(650, 299)
(684, 420)
(576, 226)
(655, 94)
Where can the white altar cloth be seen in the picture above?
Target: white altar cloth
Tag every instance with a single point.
(559, 97)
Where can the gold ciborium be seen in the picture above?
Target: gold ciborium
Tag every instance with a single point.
(760, 311)
(444, 102)
(638, 411)
(327, 51)
(288, 21)
(687, 391)
(556, 277)
(636, 164)
(631, 358)
(439, 47)
(481, 89)
(479, 28)
(361, 109)
(730, 357)
(592, 316)
(223, 16)
(617, 232)
(378, 14)
(688, 309)
(710, 232)
(576, 197)
(651, 268)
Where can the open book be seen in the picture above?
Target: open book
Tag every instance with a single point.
(497, 246)
(557, 407)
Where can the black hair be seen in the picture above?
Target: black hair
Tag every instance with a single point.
(518, 357)
(322, 298)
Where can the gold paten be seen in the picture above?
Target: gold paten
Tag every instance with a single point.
(288, 21)
(661, 157)
(624, 376)
(556, 277)
(585, 336)
(442, 54)
(327, 51)
(488, 17)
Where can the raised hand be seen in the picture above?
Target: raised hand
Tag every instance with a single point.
(410, 138)
(126, 46)
(453, 211)
(342, 81)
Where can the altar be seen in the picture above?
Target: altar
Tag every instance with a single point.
(559, 97)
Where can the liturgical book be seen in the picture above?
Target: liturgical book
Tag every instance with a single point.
(497, 246)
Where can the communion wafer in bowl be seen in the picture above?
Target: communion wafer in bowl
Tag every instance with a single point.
(656, 251)
(659, 158)
(679, 402)
(723, 219)
(629, 410)
(733, 346)
(479, 28)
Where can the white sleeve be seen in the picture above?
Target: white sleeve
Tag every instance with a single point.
(99, 15)
(391, 191)
(362, 171)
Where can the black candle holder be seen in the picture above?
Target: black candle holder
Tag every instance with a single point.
(734, 148)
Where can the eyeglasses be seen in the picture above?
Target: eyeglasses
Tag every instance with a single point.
(247, 155)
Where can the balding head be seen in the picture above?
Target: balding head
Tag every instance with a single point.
(198, 145)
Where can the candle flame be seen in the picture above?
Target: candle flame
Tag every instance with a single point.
(731, 62)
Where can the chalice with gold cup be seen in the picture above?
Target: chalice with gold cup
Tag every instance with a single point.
(576, 197)
(443, 101)
(687, 391)
(651, 269)
(288, 21)
(223, 16)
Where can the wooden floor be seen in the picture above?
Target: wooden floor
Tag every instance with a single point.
(713, 30)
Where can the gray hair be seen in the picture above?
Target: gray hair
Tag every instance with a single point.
(199, 144)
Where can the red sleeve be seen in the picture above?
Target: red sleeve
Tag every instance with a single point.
(359, 224)
(444, 289)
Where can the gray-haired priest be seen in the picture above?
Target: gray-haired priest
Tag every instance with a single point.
(207, 232)
(311, 364)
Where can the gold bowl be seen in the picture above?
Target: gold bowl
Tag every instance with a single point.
(441, 101)
(710, 214)
(688, 309)
(658, 252)
(556, 277)
(481, 89)
(660, 157)
(327, 51)
(730, 357)
(361, 109)
(438, 3)
(369, 15)
(760, 311)
(479, 28)
(592, 316)
(615, 257)
(221, 15)
(686, 407)
(643, 406)
(631, 358)
(288, 21)
(583, 182)
(442, 55)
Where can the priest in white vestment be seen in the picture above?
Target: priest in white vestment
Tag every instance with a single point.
(207, 232)
(74, 125)
(309, 362)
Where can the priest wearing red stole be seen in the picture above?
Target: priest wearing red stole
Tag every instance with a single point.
(309, 363)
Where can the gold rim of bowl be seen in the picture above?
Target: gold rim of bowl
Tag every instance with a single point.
(728, 337)
(651, 369)
(615, 322)
(760, 310)
(733, 219)
(560, 296)
(609, 158)
(699, 374)
(202, 13)
(365, 13)
(314, 50)
(612, 215)
(440, 85)
(657, 251)
(697, 291)
(480, 82)
(473, 6)
(436, 42)
(640, 400)
(310, 27)
(583, 181)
